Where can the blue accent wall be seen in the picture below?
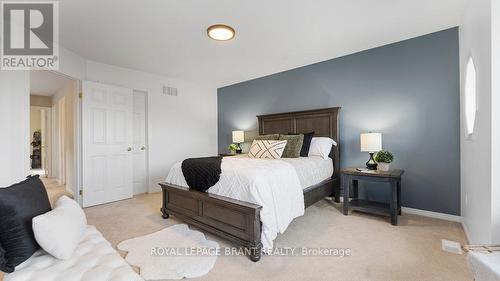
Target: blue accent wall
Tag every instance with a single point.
(408, 91)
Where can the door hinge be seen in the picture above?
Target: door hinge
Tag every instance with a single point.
(80, 95)
(81, 192)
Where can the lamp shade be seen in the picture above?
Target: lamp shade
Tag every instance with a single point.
(371, 142)
(238, 136)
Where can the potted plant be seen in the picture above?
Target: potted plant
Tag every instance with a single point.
(384, 159)
(232, 148)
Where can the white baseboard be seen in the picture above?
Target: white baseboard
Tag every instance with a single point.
(432, 214)
(429, 214)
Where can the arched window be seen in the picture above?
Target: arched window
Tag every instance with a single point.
(470, 96)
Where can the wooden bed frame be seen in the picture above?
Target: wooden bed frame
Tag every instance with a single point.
(238, 221)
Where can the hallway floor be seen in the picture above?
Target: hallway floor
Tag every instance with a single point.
(54, 189)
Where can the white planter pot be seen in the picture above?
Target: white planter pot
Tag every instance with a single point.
(383, 167)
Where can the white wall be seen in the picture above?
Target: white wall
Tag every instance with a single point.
(477, 172)
(495, 121)
(71, 64)
(180, 127)
(14, 126)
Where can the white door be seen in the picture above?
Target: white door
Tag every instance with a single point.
(140, 143)
(107, 143)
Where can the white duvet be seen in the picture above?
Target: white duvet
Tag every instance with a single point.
(272, 184)
(93, 260)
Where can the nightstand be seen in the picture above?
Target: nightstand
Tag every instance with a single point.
(350, 178)
(228, 154)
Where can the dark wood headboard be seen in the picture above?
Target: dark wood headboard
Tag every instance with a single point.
(323, 122)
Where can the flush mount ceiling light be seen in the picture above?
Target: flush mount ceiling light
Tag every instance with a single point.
(221, 32)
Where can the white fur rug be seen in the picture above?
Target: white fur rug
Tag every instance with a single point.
(155, 254)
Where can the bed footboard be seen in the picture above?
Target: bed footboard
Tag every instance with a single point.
(235, 220)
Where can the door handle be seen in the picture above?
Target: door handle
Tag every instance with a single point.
(129, 149)
(143, 148)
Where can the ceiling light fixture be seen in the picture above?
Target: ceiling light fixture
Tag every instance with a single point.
(220, 32)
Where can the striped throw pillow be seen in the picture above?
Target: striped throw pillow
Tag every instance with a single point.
(267, 149)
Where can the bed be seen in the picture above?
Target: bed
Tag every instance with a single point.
(240, 221)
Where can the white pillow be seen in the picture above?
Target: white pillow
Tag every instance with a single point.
(321, 146)
(267, 149)
(59, 231)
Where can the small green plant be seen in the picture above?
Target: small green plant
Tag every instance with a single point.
(384, 156)
(232, 147)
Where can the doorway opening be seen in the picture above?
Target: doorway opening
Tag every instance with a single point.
(53, 111)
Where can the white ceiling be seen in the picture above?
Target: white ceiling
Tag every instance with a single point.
(169, 37)
(46, 83)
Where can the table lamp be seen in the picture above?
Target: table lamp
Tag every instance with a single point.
(371, 143)
(238, 138)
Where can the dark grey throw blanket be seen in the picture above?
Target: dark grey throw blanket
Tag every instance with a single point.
(202, 173)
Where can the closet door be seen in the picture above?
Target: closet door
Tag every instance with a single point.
(140, 143)
(107, 143)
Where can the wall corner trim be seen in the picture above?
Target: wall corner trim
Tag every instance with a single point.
(430, 214)
(466, 230)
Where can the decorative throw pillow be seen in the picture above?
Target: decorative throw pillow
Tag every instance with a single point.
(267, 149)
(59, 231)
(321, 146)
(304, 151)
(293, 145)
(19, 204)
(268, 137)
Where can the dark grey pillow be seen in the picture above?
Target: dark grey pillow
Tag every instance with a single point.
(293, 145)
(268, 137)
(306, 145)
(19, 204)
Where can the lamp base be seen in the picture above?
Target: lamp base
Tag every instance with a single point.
(238, 150)
(371, 164)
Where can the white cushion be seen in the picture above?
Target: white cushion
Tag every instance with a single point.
(93, 260)
(321, 146)
(59, 231)
(267, 149)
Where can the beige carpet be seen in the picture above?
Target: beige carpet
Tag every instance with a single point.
(380, 251)
(54, 189)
